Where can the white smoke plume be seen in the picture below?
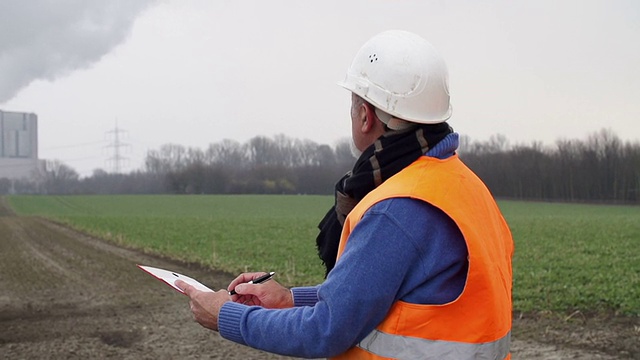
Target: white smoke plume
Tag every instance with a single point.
(48, 39)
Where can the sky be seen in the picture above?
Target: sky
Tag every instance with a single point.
(195, 72)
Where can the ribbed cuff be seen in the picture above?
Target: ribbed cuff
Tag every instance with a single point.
(304, 296)
(229, 320)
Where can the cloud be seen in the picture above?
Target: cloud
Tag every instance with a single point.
(48, 39)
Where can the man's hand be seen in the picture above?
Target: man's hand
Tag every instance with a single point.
(205, 305)
(269, 294)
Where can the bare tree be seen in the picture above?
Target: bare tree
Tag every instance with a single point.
(59, 178)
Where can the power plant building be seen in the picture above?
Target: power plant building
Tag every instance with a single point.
(19, 146)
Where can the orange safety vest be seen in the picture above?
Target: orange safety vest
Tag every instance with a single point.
(478, 323)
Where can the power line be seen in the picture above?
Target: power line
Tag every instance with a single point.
(117, 159)
(72, 145)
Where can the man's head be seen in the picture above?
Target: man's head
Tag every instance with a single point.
(398, 78)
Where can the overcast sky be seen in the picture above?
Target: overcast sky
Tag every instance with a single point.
(196, 72)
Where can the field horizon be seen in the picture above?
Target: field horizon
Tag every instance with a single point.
(568, 257)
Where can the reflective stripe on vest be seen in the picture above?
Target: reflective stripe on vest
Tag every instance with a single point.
(404, 347)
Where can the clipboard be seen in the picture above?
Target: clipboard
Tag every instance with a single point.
(170, 277)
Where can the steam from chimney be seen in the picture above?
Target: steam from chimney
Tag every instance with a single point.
(48, 39)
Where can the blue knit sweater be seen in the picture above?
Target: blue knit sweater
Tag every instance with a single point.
(402, 249)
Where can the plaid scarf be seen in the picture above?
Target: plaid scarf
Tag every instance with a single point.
(390, 153)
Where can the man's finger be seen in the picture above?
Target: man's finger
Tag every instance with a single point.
(250, 289)
(186, 288)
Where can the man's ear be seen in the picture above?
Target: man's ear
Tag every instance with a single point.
(369, 117)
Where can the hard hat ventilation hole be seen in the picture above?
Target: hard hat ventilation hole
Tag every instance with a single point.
(373, 57)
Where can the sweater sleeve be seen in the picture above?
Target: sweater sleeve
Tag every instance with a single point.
(383, 261)
(304, 296)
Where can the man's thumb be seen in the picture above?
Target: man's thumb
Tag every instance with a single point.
(241, 289)
(248, 289)
(182, 286)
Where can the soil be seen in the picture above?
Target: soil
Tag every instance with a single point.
(67, 295)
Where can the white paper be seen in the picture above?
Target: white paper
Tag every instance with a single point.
(170, 277)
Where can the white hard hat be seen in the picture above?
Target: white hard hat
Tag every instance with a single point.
(401, 74)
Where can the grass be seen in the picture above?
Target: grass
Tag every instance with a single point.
(575, 257)
(232, 233)
(568, 257)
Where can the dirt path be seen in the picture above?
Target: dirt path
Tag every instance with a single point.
(68, 296)
(65, 295)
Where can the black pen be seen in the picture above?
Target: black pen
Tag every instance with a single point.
(259, 280)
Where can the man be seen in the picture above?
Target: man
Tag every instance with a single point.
(423, 253)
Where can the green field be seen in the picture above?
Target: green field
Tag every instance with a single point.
(568, 257)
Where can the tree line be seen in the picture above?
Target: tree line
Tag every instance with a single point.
(601, 168)
(263, 165)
